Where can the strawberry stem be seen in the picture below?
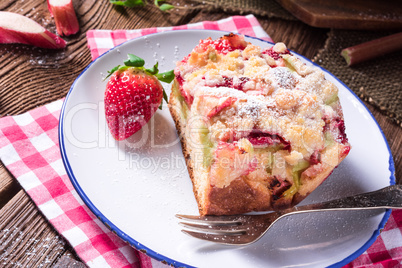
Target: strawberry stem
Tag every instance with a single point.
(111, 71)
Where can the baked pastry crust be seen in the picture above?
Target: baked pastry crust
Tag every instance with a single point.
(259, 129)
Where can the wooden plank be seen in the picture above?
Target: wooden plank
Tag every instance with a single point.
(8, 185)
(346, 14)
(26, 238)
(67, 262)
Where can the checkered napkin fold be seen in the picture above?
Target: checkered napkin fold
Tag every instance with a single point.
(29, 149)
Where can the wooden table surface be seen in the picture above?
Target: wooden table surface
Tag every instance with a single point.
(31, 77)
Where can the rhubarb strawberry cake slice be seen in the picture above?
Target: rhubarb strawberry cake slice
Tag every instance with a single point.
(260, 130)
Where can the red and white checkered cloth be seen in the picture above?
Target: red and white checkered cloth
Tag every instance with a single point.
(29, 149)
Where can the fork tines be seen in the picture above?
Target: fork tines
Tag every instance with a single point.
(212, 225)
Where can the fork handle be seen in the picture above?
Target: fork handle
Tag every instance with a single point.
(388, 197)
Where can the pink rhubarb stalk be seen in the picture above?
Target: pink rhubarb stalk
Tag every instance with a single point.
(64, 16)
(15, 28)
(372, 49)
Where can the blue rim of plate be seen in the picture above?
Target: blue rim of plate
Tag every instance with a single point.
(165, 259)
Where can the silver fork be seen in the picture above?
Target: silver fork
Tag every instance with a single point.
(246, 229)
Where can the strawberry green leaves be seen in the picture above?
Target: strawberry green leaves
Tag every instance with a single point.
(134, 61)
(136, 3)
(154, 70)
(164, 6)
(165, 97)
(128, 3)
(166, 77)
(137, 62)
(112, 71)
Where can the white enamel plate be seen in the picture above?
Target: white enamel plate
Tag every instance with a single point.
(138, 185)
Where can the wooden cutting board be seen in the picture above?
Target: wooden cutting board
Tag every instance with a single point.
(347, 14)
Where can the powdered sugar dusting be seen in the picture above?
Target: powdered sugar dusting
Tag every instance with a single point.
(282, 77)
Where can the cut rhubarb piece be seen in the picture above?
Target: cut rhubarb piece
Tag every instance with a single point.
(222, 104)
(207, 145)
(15, 28)
(64, 16)
(187, 97)
(213, 105)
(262, 140)
(372, 49)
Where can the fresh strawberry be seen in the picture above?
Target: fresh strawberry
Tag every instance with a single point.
(132, 96)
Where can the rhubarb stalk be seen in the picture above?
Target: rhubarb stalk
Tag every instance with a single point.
(64, 16)
(372, 49)
(15, 28)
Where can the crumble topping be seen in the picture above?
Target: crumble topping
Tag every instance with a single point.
(238, 91)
